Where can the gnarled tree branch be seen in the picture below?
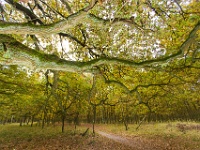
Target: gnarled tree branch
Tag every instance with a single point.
(18, 53)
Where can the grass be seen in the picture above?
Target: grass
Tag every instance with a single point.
(160, 136)
(14, 137)
(150, 129)
(186, 134)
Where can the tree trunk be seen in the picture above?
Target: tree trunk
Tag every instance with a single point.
(126, 125)
(32, 120)
(94, 119)
(63, 123)
(20, 124)
(43, 122)
(76, 120)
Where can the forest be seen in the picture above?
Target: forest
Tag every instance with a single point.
(99, 62)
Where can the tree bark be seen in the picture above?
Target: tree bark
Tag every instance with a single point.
(19, 54)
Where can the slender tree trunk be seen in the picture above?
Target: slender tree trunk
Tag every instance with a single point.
(32, 120)
(76, 120)
(20, 124)
(94, 119)
(141, 122)
(125, 124)
(4, 121)
(63, 123)
(43, 122)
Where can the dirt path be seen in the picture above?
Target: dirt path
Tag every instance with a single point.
(151, 142)
(137, 143)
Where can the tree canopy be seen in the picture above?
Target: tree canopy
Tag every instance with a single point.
(131, 33)
(141, 53)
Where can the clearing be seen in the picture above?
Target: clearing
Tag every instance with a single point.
(155, 136)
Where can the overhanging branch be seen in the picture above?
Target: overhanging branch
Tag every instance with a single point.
(19, 54)
(26, 28)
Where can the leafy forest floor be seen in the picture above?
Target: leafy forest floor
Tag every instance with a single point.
(151, 136)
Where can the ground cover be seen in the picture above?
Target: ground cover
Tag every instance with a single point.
(170, 135)
(14, 137)
(151, 136)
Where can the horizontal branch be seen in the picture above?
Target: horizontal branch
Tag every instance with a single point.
(8, 92)
(135, 89)
(71, 21)
(27, 28)
(18, 54)
(147, 86)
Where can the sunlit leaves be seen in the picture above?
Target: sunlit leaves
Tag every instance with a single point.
(133, 30)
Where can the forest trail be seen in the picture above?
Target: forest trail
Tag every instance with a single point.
(147, 142)
(136, 143)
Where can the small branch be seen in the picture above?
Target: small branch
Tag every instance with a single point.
(141, 123)
(146, 86)
(129, 21)
(53, 10)
(67, 6)
(72, 38)
(91, 5)
(109, 104)
(25, 10)
(117, 83)
(182, 11)
(86, 131)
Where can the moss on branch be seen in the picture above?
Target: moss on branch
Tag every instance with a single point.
(21, 54)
